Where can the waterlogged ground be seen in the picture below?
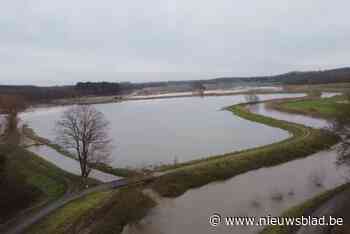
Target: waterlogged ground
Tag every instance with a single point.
(296, 118)
(152, 132)
(68, 164)
(263, 192)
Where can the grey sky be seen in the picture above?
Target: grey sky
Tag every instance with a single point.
(48, 42)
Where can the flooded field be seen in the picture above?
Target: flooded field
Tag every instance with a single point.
(263, 192)
(296, 118)
(153, 132)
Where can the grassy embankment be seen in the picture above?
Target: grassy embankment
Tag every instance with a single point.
(324, 108)
(122, 172)
(303, 142)
(28, 182)
(317, 107)
(304, 209)
(102, 212)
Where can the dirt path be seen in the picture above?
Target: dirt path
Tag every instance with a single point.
(25, 222)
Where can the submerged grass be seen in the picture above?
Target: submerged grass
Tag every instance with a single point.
(304, 209)
(303, 142)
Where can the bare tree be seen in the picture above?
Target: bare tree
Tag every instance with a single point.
(84, 130)
(11, 106)
(198, 88)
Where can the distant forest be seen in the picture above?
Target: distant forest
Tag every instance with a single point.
(46, 94)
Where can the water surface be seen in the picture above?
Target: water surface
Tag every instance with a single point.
(152, 132)
(68, 164)
(263, 192)
(257, 193)
(296, 118)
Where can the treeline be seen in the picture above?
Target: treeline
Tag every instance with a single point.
(103, 88)
(39, 94)
(316, 77)
(46, 94)
(309, 77)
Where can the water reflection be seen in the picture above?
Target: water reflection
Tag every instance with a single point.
(267, 191)
(151, 132)
(296, 118)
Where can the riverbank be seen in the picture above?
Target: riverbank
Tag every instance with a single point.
(303, 142)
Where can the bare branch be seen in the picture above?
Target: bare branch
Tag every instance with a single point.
(84, 130)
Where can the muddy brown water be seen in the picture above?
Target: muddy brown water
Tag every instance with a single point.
(259, 193)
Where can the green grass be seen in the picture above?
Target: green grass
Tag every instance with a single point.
(49, 179)
(64, 218)
(304, 141)
(304, 209)
(32, 182)
(102, 212)
(321, 107)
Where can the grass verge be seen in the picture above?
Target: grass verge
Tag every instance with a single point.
(30, 181)
(303, 209)
(102, 212)
(304, 141)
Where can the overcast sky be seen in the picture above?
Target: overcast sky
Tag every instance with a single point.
(48, 42)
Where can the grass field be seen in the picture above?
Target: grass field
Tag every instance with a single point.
(30, 182)
(304, 141)
(317, 107)
(102, 212)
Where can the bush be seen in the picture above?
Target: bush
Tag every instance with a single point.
(15, 193)
(2, 167)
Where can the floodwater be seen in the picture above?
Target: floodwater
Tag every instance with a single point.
(154, 132)
(68, 164)
(213, 91)
(329, 94)
(259, 193)
(296, 118)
